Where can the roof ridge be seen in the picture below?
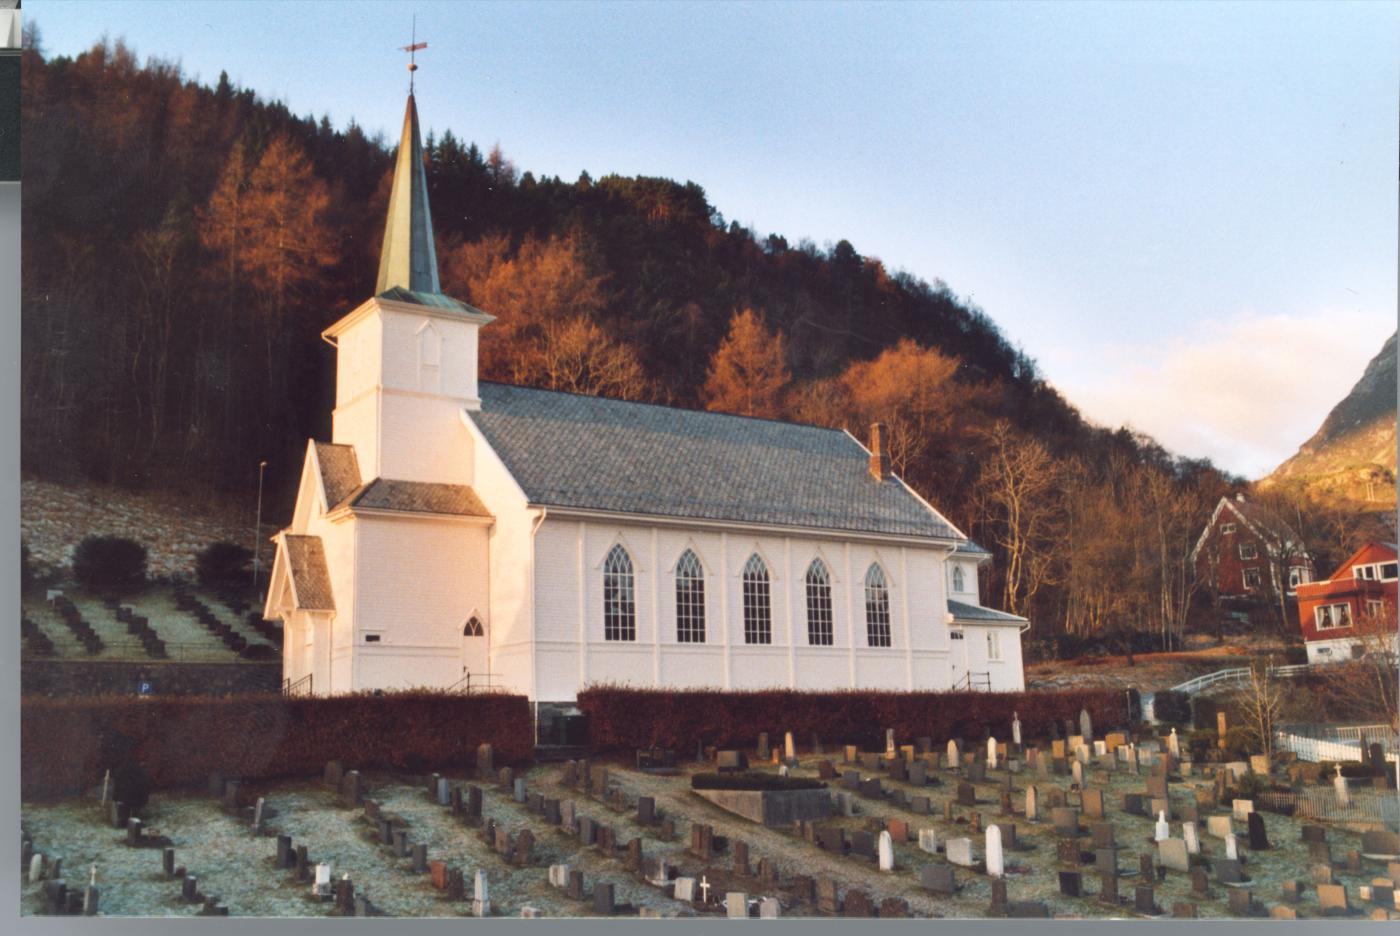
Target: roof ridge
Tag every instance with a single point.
(665, 406)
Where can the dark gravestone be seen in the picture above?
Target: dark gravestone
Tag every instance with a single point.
(938, 879)
(301, 864)
(551, 811)
(1183, 910)
(863, 844)
(998, 905)
(575, 890)
(857, 904)
(731, 762)
(1028, 909)
(1241, 901)
(920, 805)
(633, 861)
(1067, 851)
(828, 901)
(831, 839)
(420, 859)
(588, 831)
(892, 908)
(826, 770)
(872, 788)
(967, 794)
(285, 855)
(1103, 834)
(1108, 887)
(1229, 871)
(167, 862)
(525, 849)
(646, 810)
(454, 800)
(1071, 883)
(473, 802)
(1200, 882)
(741, 859)
(1320, 853)
(1258, 837)
(603, 902)
(1314, 833)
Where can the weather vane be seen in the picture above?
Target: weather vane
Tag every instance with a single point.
(413, 46)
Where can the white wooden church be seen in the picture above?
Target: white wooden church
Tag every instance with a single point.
(457, 532)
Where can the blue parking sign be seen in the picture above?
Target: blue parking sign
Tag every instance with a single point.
(144, 687)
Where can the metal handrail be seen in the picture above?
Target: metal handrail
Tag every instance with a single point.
(301, 687)
(471, 682)
(1234, 674)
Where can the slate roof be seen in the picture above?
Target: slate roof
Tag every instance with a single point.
(306, 560)
(976, 614)
(971, 548)
(420, 497)
(568, 450)
(340, 471)
(430, 300)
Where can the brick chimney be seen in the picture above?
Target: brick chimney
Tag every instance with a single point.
(879, 458)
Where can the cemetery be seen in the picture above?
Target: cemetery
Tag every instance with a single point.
(1071, 824)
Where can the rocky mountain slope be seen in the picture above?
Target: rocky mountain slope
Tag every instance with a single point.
(1353, 454)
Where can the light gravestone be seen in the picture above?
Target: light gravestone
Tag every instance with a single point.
(1172, 853)
(1163, 831)
(959, 851)
(1191, 838)
(996, 860)
(1032, 804)
(1339, 784)
(991, 753)
(928, 841)
(886, 855)
(481, 899)
(1016, 728)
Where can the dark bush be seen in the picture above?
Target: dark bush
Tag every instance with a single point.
(1250, 786)
(623, 718)
(752, 781)
(131, 784)
(224, 565)
(183, 739)
(1295, 654)
(1354, 770)
(1203, 743)
(260, 651)
(1172, 707)
(110, 565)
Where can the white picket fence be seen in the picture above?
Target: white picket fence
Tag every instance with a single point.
(1333, 749)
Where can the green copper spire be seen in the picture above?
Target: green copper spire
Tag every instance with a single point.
(408, 259)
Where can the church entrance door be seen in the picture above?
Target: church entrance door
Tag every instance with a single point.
(475, 663)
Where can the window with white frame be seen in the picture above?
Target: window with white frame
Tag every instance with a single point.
(993, 645)
(1374, 572)
(877, 607)
(1297, 575)
(1374, 607)
(1253, 579)
(959, 580)
(690, 599)
(758, 606)
(1332, 616)
(1226, 529)
(473, 628)
(821, 631)
(1249, 551)
(619, 596)
(429, 358)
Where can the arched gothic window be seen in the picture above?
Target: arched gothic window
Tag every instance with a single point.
(429, 358)
(619, 596)
(958, 583)
(473, 628)
(877, 607)
(820, 632)
(690, 599)
(758, 608)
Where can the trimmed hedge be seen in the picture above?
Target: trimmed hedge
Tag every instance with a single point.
(625, 718)
(66, 744)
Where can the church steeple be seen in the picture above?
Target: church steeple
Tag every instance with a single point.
(408, 259)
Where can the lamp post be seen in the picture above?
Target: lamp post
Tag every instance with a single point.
(257, 529)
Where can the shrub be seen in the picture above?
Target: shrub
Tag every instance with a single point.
(224, 565)
(110, 565)
(1239, 743)
(131, 784)
(752, 781)
(1353, 770)
(1250, 786)
(1172, 707)
(182, 739)
(1203, 743)
(623, 718)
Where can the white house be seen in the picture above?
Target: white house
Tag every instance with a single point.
(458, 532)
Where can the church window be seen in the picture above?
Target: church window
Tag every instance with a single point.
(758, 609)
(993, 645)
(690, 599)
(820, 632)
(877, 607)
(473, 628)
(429, 358)
(619, 601)
(959, 584)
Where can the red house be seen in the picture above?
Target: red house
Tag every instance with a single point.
(1341, 616)
(1251, 558)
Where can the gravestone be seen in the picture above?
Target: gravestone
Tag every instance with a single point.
(1071, 884)
(1108, 887)
(1066, 820)
(603, 900)
(1219, 826)
(857, 904)
(1172, 853)
(1091, 802)
(996, 859)
(1258, 837)
(1190, 838)
(1200, 882)
(938, 878)
(959, 852)
(928, 841)
(886, 852)
(1144, 902)
(1032, 805)
(828, 901)
(1241, 901)
(420, 859)
(967, 794)
(1229, 871)
(898, 830)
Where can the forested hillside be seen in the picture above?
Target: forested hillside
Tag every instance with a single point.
(185, 245)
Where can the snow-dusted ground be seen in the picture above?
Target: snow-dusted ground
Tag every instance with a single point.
(237, 866)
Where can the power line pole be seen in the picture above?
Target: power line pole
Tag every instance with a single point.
(257, 529)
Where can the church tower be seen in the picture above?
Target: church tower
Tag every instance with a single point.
(406, 359)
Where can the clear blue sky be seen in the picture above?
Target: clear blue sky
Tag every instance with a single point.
(1185, 212)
